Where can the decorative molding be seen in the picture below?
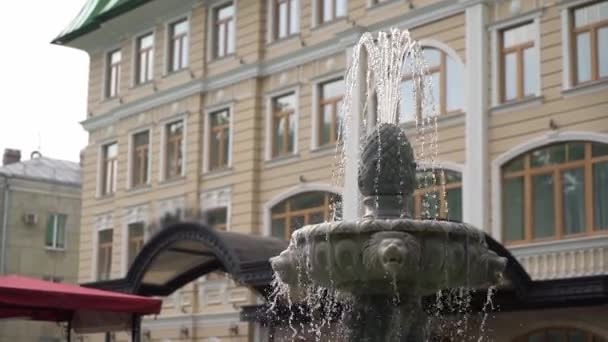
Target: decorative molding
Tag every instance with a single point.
(545, 139)
(171, 206)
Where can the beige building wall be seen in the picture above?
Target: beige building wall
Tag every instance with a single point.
(262, 68)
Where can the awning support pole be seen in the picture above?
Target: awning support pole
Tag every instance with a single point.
(136, 328)
(69, 331)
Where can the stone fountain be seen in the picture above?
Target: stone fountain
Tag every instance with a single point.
(386, 262)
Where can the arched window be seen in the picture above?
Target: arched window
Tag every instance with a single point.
(299, 210)
(447, 83)
(430, 202)
(560, 335)
(556, 191)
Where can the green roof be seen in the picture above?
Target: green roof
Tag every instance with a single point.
(92, 15)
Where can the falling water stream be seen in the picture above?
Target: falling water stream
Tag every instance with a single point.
(387, 58)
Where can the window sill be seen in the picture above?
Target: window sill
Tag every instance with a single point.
(217, 173)
(517, 105)
(54, 249)
(172, 181)
(377, 5)
(139, 189)
(175, 73)
(105, 197)
(586, 88)
(323, 150)
(281, 160)
(284, 40)
(323, 25)
(114, 100)
(145, 85)
(231, 57)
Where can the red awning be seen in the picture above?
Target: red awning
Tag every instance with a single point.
(22, 297)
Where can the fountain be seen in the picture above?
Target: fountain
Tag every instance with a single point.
(383, 264)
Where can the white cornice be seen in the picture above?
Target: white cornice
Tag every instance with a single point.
(302, 56)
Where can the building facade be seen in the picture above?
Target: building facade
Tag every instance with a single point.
(40, 229)
(228, 110)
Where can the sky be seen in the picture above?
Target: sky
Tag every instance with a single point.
(43, 87)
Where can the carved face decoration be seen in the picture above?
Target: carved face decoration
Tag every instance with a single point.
(391, 252)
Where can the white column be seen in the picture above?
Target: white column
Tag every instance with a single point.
(351, 198)
(476, 206)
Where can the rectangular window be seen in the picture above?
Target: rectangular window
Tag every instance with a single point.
(109, 169)
(113, 73)
(590, 42)
(178, 45)
(518, 61)
(174, 149)
(224, 33)
(219, 139)
(140, 158)
(55, 231)
(145, 58)
(330, 101)
(104, 254)
(286, 20)
(217, 218)
(330, 10)
(136, 240)
(283, 124)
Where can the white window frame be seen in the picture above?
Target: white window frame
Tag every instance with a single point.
(106, 66)
(167, 43)
(270, 29)
(316, 20)
(566, 24)
(102, 222)
(551, 137)
(101, 145)
(65, 233)
(132, 134)
(207, 135)
(534, 17)
(211, 29)
(269, 115)
(134, 214)
(217, 199)
(316, 97)
(163, 146)
(135, 54)
(296, 190)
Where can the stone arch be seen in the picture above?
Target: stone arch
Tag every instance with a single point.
(543, 140)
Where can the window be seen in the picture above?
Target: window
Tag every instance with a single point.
(224, 35)
(113, 73)
(141, 158)
(55, 231)
(446, 81)
(590, 42)
(283, 125)
(555, 192)
(144, 66)
(217, 218)
(219, 139)
(561, 335)
(330, 10)
(430, 201)
(330, 101)
(136, 240)
(518, 62)
(174, 147)
(286, 19)
(300, 210)
(109, 168)
(178, 45)
(104, 254)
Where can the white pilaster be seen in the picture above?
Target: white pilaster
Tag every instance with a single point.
(476, 208)
(351, 198)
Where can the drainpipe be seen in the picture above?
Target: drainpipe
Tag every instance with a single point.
(5, 201)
